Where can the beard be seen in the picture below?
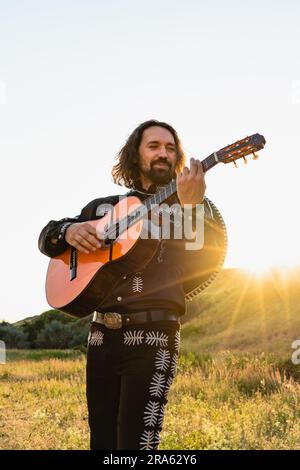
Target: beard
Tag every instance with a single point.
(160, 175)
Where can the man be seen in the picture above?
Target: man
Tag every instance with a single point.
(130, 369)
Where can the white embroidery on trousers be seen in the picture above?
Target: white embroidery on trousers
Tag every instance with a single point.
(156, 439)
(161, 415)
(96, 338)
(133, 337)
(153, 338)
(162, 359)
(157, 384)
(151, 413)
(168, 385)
(177, 341)
(159, 339)
(174, 365)
(147, 440)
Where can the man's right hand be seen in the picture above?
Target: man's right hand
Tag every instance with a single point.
(82, 236)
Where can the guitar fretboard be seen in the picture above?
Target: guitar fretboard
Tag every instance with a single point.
(117, 228)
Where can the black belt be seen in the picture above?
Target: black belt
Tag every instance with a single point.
(116, 320)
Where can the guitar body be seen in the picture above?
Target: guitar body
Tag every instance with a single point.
(95, 274)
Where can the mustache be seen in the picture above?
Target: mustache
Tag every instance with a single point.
(161, 161)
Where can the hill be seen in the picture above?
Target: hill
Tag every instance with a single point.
(238, 312)
(243, 312)
(51, 329)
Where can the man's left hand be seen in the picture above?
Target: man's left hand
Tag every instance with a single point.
(191, 184)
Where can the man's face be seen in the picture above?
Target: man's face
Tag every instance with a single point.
(158, 155)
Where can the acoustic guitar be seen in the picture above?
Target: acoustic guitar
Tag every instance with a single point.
(78, 283)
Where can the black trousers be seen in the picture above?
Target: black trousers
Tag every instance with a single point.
(129, 373)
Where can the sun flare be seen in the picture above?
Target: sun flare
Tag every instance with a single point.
(260, 266)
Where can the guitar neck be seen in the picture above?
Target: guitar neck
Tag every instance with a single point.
(228, 154)
(167, 191)
(117, 228)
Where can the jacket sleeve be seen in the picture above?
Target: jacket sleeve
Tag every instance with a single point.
(201, 263)
(56, 228)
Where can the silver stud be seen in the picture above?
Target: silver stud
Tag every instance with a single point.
(119, 298)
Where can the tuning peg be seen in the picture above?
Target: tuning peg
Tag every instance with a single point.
(235, 163)
(255, 156)
(245, 161)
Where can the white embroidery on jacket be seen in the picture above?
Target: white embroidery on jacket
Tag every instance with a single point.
(162, 248)
(137, 283)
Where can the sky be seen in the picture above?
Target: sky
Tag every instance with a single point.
(77, 77)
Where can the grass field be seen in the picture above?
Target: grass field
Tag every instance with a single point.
(236, 386)
(229, 401)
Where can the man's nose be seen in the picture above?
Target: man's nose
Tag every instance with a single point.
(163, 151)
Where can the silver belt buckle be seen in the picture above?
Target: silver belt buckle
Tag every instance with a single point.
(112, 320)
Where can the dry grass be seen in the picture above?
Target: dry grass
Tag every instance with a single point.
(43, 405)
(227, 402)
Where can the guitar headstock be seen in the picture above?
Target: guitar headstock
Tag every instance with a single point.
(241, 149)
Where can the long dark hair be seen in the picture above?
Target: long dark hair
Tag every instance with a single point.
(126, 171)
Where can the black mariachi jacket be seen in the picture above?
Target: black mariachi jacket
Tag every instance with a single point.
(173, 276)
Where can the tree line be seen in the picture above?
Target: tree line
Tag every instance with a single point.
(50, 330)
